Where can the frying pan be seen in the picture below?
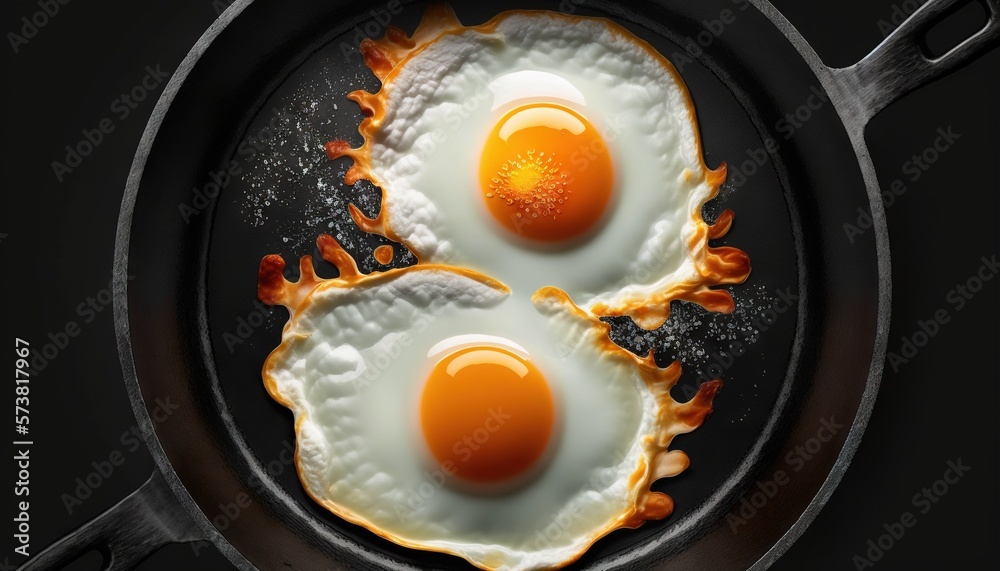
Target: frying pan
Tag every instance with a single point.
(796, 401)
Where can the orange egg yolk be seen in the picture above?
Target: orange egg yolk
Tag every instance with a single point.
(546, 173)
(487, 414)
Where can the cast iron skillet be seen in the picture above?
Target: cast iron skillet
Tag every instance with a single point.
(182, 285)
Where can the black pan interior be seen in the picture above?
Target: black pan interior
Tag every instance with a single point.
(200, 337)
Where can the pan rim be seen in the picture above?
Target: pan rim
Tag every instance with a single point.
(855, 127)
(840, 99)
(120, 287)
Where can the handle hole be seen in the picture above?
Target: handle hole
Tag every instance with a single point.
(87, 561)
(954, 27)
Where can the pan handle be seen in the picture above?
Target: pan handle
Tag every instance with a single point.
(126, 534)
(900, 63)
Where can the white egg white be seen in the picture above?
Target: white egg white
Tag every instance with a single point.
(443, 101)
(354, 357)
(351, 367)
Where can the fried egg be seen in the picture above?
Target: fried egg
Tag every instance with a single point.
(542, 150)
(434, 412)
(546, 171)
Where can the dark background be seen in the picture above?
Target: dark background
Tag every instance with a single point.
(56, 242)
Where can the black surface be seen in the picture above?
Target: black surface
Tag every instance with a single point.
(64, 256)
(811, 364)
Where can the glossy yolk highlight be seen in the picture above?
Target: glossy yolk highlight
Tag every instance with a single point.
(487, 414)
(546, 173)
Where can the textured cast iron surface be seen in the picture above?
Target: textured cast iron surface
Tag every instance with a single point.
(219, 444)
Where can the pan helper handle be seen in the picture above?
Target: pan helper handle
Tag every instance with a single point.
(902, 63)
(126, 534)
